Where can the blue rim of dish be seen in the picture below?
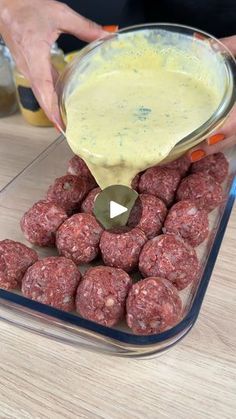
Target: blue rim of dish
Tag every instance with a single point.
(129, 338)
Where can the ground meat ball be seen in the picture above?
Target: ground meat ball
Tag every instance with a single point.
(77, 167)
(15, 259)
(52, 281)
(68, 191)
(121, 248)
(90, 184)
(135, 182)
(78, 238)
(188, 221)
(161, 182)
(153, 305)
(168, 256)
(102, 293)
(205, 191)
(148, 213)
(88, 204)
(215, 165)
(182, 164)
(40, 222)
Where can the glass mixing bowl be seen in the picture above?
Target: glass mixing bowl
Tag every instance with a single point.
(199, 54)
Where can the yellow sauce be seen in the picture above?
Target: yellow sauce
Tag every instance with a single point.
(129, 112)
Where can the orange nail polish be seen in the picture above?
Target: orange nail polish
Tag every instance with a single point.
(110, 28)
(197, 155)
(198, 35)
(214, 139)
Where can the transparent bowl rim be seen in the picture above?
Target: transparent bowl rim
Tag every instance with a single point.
(218, 116)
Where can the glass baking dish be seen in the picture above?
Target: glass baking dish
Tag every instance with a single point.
(29, 186)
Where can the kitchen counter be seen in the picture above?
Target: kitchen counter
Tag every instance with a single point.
(46, 379)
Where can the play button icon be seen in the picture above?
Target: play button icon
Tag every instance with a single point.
(113, 205)
(116, 209)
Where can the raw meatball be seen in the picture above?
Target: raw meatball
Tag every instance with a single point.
(102, 293)
(68, 191)
(153, 305)
(78, 238)
(182, 164)
(88, 204)
(205, 191)
(135, 182)
(121, 248)
(188, 221)
(148, 213)
(161, 182)
(77, 167)
(40, 223)
(215, 165)
(52, 281)
(168, 256)
(15, 259)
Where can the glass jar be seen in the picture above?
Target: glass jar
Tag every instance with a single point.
(8, 102)
(29, 106)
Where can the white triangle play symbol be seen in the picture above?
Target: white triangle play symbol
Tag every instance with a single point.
(116, 209)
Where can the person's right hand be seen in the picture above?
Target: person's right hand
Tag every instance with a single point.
(29, 28)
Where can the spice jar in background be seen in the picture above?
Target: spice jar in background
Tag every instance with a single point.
(29, 106)
(8, 102)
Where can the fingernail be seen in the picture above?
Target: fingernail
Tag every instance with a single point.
(198, 35)
(197, 155)
(214, 139)
(110, 28)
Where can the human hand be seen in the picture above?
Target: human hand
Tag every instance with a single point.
(29, 28)
(224, 137)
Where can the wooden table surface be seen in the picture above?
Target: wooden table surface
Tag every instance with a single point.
(41, 379)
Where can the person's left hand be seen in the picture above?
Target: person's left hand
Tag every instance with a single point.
(225, 136)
